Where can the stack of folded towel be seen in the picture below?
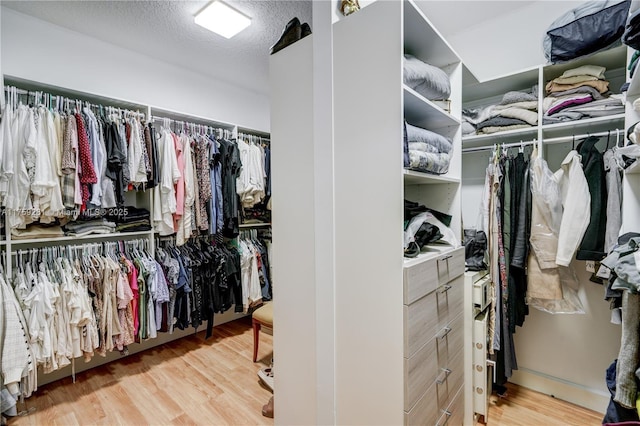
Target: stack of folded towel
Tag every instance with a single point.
(580, 93)
(517, 110)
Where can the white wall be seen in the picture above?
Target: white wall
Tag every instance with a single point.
(37, 50)
(501, 45)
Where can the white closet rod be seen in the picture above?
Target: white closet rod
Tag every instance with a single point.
(559, 139)
(19, 91)
(189, 123)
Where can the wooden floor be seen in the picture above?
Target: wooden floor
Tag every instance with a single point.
(524, 407)
(214, 382)
(188, 381)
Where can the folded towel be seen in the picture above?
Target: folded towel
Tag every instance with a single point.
(514, 97)
(574, 79)
(529, 116)
(500, 121)
(595, 94)
(600, 85)
(497, 129)
(593, 70)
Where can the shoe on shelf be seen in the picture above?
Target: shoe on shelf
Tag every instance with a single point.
(292, 33)
(266, 377)
(267, 410)
(306, 30)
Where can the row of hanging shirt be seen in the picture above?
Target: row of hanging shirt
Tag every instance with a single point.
(205, 179)
(56, 160)
(76, 302)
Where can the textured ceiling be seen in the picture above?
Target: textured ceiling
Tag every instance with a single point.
(165, 30)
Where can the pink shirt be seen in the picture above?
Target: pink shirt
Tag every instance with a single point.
(180, 184)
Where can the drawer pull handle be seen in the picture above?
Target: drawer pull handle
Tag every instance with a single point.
(446, 257)
(445, 331)
(445, 288)
(443, 376)
(447, 415)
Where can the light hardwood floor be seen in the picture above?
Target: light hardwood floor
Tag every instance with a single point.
(214, 382)
(525, 407)
(187, 381)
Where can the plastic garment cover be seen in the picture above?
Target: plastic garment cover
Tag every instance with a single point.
(448, 235)
(587, 29)
(551, 288)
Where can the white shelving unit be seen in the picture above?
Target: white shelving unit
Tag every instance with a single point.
(556, 372)
(380, 328)
(477, 94)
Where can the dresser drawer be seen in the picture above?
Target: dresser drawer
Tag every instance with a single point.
(449, 380)
(450, 341)
(431, 314)
(420, 373)
(425, 412)
(479, 350)
(422, 277)
(453, 415)
(450, 301)
(420, 323)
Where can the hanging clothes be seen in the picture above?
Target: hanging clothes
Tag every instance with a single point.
(592, 245)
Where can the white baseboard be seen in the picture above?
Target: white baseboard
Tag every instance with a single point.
(593, 399)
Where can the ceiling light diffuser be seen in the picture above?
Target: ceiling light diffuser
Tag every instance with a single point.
(222, 19)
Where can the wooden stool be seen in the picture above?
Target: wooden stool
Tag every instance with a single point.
(263, 316)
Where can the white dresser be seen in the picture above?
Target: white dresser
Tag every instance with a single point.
(434, 338)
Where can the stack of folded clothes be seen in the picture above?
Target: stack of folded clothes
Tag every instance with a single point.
(517, 110)
(580, 93)
(81, 227)
(37, 231)
(130, 219)
(426, 151)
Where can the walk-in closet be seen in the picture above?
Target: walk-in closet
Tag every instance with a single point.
(363, 212)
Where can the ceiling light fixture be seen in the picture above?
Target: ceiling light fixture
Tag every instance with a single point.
(222, 19)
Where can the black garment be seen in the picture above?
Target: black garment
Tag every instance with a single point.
(592, 245)
(231, 164)
(520, 228)
(615, 412)
(506, 358)
(631, 36)
(115, 161)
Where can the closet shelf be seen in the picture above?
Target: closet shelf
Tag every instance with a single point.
(598, 124)
(412, 177)
(590, 125)
(423, 40)
(254, 225)
(85, 238)
(420, 111)
(501, 137)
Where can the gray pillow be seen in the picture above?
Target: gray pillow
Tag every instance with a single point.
(431, 82)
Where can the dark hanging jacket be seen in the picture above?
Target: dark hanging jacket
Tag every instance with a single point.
(592, 245)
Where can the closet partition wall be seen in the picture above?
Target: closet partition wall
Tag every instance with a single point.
(142, 198)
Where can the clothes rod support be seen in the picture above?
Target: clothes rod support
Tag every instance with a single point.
(556, 140)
